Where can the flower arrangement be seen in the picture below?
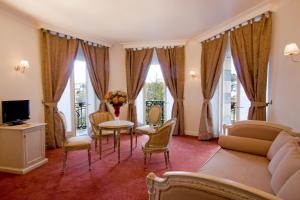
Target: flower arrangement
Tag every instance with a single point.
(116, 99)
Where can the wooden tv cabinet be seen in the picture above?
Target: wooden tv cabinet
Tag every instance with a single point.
(22, 147)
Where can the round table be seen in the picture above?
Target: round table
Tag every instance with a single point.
(117, 126)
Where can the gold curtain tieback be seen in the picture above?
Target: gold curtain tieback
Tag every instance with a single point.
(49, 104)
(206, 100)
(131, 101)
(258, 104)
(179, 100)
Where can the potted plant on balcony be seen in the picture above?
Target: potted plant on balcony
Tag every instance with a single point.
(117, 99)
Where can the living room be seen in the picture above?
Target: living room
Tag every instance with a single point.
(122, 28)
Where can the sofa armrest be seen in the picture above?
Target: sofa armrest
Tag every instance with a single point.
(243, 144)
(194, 186)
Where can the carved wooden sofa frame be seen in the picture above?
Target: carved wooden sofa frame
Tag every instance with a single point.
(189, 185)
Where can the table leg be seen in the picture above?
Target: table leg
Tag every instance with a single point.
(100, 144)
(118, 140)
(131, 132)
(135, 133)
(114, 141)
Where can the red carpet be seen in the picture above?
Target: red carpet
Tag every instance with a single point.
(107, 180)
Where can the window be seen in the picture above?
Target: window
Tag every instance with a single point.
(78, 99)
(154, 92)
(230, 103)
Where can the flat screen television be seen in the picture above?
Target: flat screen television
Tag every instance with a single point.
(15, 112)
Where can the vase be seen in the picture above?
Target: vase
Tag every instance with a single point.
(117, 111)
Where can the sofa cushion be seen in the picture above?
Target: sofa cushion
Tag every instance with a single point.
(257, 131)
(290, 190)
(286, 168)
(280, 154)
(247, 145)
(248, 169)
(279, 141)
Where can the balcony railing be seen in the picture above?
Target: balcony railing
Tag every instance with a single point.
(149, 104)
(81, 115)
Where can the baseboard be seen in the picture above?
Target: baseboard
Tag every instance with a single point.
(191, 133)
(23, 170)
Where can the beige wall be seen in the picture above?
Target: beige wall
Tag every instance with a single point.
(19, 39)
(192, 92)
(117, 76)
(284, 74)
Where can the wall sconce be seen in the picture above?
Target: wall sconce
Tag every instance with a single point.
(290, 50)
(22, 66)
(192, 73)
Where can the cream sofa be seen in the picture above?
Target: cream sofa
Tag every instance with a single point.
(239, 170)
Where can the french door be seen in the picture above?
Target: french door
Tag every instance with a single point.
(78, 100)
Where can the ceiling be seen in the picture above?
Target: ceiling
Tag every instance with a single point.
(123, 21)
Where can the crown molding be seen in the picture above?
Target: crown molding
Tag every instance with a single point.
(267, 5)
(151, 44)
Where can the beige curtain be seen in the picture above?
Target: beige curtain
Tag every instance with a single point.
(172, 61)
(137, 65)
(250, 47)
(97, 59)
(213, 52)
(58, 54)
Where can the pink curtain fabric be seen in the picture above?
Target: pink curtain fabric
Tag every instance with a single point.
(212, 58)
(250, 47)
(172, 63)
(97, 59)
(58, 54)
(137, 65)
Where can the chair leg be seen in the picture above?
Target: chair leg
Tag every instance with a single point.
(107, 139)
(96, 141)
(145, 159)
(168, 154)
(64, 162)
(100, 147)
(166, 159)
(89, 157)
(150, 155)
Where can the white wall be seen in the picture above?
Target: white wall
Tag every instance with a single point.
(192, 89)
(284, 74)
(19, 39)
(117, 76)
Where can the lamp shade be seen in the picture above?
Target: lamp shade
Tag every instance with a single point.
(291, 49)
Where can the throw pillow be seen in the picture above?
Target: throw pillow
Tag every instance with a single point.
(286, 168)
(290, 190)
(280, 154)
(282, 138)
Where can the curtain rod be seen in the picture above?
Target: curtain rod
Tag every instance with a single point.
(251, 20)
(72, 37)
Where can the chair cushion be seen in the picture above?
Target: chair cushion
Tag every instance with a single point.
(286, 168)
(290, 190)
(279, 141)
(147, 129)
(280, 154)
(78, 142)
(248, 169)
(247, 145)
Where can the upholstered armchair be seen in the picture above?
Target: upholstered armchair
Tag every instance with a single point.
(159, 141)
(95, 119)
(154, 120)
(74, 143)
